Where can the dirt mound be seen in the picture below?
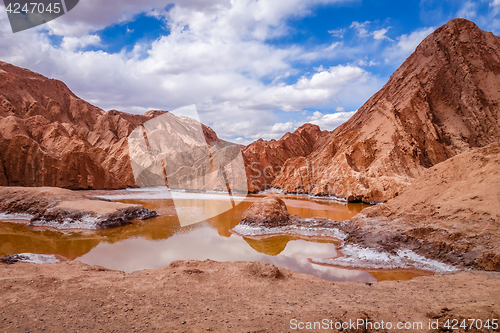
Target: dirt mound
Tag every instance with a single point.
(442, 101)
(264, 270)
(268, 212)
(450, 213)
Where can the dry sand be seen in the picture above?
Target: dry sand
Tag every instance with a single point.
(194, 296)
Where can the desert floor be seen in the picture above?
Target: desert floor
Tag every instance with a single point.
(199, 296)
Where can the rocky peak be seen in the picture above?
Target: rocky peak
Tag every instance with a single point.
(264, 159)
(443, 100)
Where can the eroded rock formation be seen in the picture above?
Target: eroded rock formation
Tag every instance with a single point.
(449, 213)
(265, 159)
(65, 209)
(50, 137)
(442, 101)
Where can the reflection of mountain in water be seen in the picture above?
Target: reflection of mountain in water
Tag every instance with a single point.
(270, 245)
(17, 238)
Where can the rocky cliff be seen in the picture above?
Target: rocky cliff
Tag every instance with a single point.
(50, 137)
(265, 159)
(443, 100)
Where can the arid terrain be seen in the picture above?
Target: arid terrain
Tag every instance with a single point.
(451, 213)
(193, 296)
(442, 101)
(426, 146)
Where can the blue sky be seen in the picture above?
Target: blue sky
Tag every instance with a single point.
(253, 68)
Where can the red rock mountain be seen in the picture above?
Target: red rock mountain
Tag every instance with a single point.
(264, 159)
(443, 100)
(50, 137)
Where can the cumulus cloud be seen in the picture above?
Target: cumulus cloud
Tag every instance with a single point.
(406, 44)
(318, 89)
(330, 121)
(214, 56)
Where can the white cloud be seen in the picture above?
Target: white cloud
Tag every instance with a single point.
(74, 43)
(380, 34)
(215, 57)
(366, 63)
(406, 44)
(495, 3)
(362, 31)
(468, 10)
(330, 121)
(85, 19)
(282, 127)
(338, 32)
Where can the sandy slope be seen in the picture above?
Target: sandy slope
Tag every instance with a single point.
(193, 296)
(450, 213)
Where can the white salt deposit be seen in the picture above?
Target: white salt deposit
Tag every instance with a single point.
(33, 258)
(356, 256)
(15, 216)
(163, 193)
(85, 222)
(246, 230)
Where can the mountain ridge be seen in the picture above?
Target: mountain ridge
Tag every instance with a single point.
(432, 108)
(51, 137)
(443, 100)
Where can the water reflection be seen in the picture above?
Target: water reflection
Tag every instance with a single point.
(17, 238)
(158, 241)
(204, 243)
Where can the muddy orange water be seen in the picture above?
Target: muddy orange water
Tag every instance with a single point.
(156, 242)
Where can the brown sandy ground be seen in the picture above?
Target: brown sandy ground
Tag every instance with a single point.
(451, 213)
(52, 206)
(200, 296)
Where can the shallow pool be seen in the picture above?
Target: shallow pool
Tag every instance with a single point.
(156, 242)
